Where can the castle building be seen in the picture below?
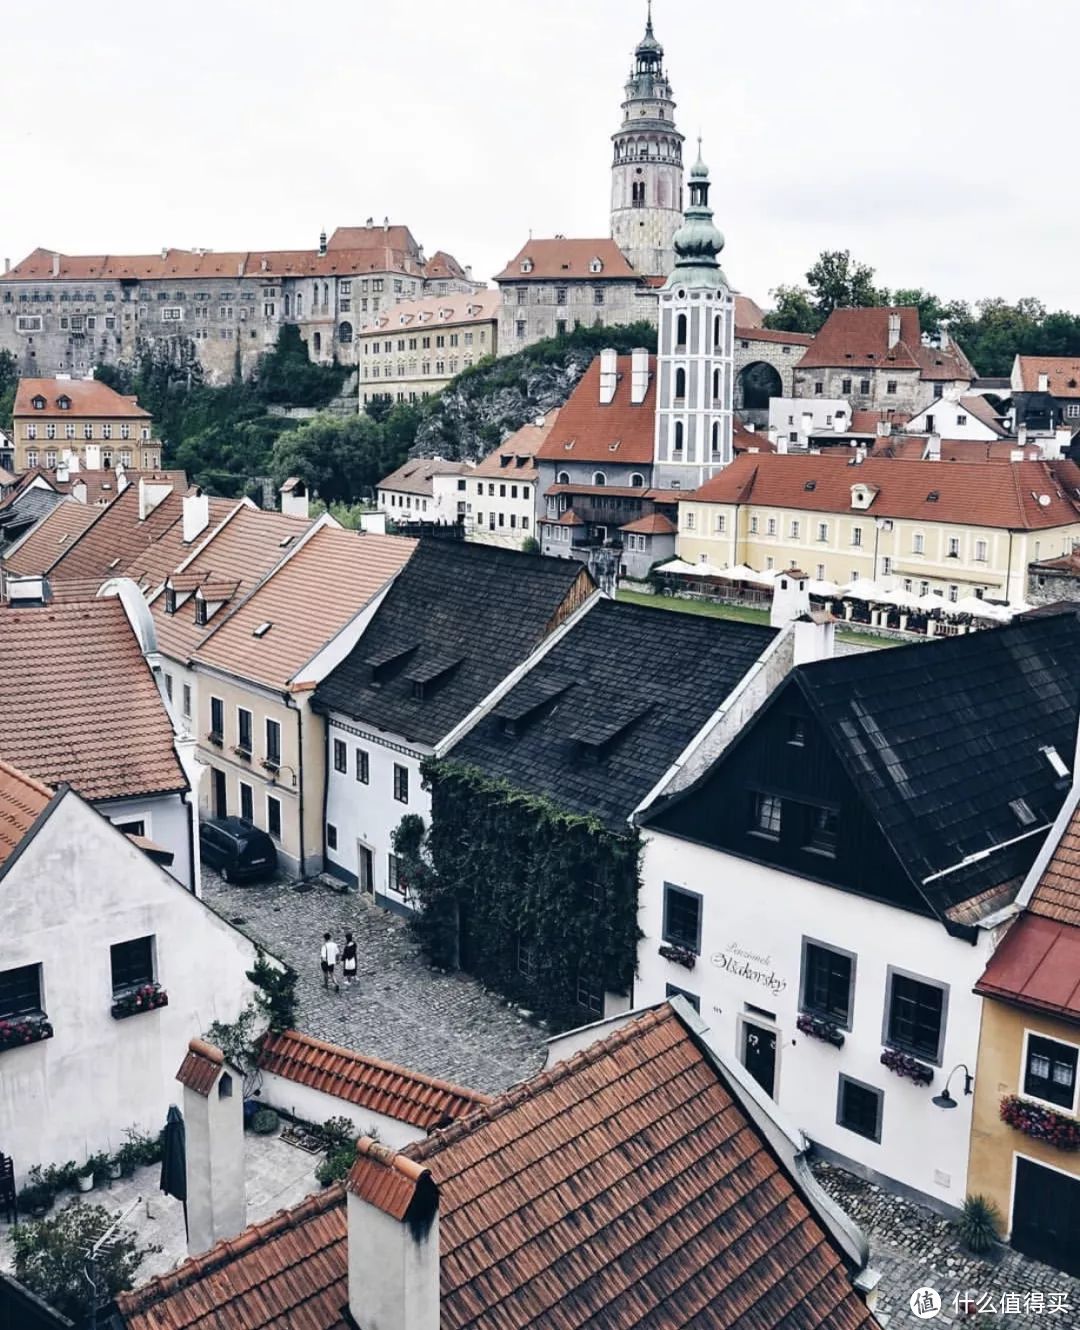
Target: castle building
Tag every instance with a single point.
(216, 311)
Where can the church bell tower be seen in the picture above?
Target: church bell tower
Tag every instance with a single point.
(647, 171)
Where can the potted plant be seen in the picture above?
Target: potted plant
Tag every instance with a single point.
(265, 1122)
(678, 955)
(817, 1027)
(84, 1179)
(903, 1064)
(116, 1166)
(35, 1199)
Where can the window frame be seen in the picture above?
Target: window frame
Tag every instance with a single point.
(673, 889)
(804, 972)
(892, 973)
(273, 750)
(756, 828)
(401, 783)
(842, 1080)
(129, 985)
(273, 801)
(240, 727)
(673, 990)
(362, 766)
(341, 756)
(39, 1008)
(1025, 1062)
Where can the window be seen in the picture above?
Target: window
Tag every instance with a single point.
(331, 836)
(217, 718)
(243, 729)
(939, 391)
(401, 783)
(822, 830)
(1050, 1071)
(682, 917)
(953, 593)
(247, 802)
(766, 816)
(680, 384)
(794, 529)
(981, 549)
(828, 982)
(918, 543)
(856, 535)
(679, 436)
(753, 525)
(915, 1015)
(186, 702)
(20, 991)
(393, 875)
(796, 731)
(590, 994)
(273, 816)
(132, 964)
(823, 531)
(560, 295)
(770, 526)
(890, 387)
(954, 547)
(864, 386)
(680, 331)
(273, 742)
(961, 419)
(688, 520)
(858, 1108)
(886, 565)
(719, 524)
(363, 767)
(819, 389)
(673, 990)
(341, 755)
(168, 686)
(845, 386)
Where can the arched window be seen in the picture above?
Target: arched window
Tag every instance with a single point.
(716, 436)
(345, 332)
(563, 478)
(299, 303)
(325, 294)
(599, 478)
(638, 193)
(316, 343)
(637, 481)
(680, 384)
(716, 333)
(678, 436)
(680, 330)
(716, 385)
(224, 1089)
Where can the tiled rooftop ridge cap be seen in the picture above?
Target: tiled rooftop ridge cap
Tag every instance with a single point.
(367, 1147)
(210, 1051)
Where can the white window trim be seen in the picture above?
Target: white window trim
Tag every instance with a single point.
(1021, 1093)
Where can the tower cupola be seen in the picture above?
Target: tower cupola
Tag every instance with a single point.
(698, 241)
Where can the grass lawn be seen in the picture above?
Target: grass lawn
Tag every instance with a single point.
(741, 613)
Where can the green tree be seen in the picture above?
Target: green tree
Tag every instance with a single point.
(840, 282)
(50, 1258)
(336, 458)
(793, 311)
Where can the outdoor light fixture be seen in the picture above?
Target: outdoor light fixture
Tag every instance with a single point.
(945, 1099)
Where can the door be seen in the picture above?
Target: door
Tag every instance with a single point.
(365, 877)
(1046, 1216)
(220, 797)
(759, 1055)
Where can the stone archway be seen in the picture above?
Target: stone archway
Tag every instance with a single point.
(755, 384)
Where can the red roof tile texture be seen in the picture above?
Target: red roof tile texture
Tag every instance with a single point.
(859, 339)
(50, 538)
(200, 1067)
(385, 1179)
(381, 1087)
(87, 397)
(561, 259)
(22, 801)
(1057, 893)
(118, 537)
(1037, 965)
(523, 445)
(1004, 496)
(654, 524)
(1062, 372)
(626, 1187)
(752, 334)
(78, 702)
(587, 428)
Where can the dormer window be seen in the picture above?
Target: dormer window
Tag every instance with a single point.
(526, 265)
(596, 266)
(170, 600)
(38, 403)
(64, 403)
(200, 611)
(862, 496)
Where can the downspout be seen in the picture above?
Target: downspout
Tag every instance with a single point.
(299, 774)
(1008, 570)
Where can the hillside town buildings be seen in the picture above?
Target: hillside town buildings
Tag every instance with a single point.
(57, 420)
(501, 491)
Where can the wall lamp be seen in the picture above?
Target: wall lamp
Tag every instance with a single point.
(945, 1099)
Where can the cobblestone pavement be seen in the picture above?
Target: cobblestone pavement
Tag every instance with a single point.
(914, 1248)
(446, 1025)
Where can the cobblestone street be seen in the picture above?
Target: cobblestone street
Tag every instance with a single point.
(443, 1024)
(914, 1248)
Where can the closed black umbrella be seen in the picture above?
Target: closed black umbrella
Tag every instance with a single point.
(174, 1158)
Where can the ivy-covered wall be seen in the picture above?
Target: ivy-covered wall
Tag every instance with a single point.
(525, 896)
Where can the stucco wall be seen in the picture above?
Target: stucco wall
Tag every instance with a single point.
(314, 1106)
(767, 913)
(167, 822)
(78, 888)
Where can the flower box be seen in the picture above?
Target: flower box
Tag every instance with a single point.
(271, 766)
(147, 997)
(244, 754)
(817, 1027)
(679, 955)
(903, 1064)
(1041, 1124)
(215, 739)
(19, 1030)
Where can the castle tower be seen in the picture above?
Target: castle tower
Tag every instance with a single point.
(646, 174)
(696, 356)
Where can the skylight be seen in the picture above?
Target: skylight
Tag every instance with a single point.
(262, 629)
(1054, 758)
(285, 540)
(1023, 812)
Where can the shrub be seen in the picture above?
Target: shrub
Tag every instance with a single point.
(336, 1165)
(337, 1132)
(265, 1122)
(36, 1197)
(978, 1224)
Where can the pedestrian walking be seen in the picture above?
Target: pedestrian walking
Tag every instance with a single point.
(348, 960)
(329, 957)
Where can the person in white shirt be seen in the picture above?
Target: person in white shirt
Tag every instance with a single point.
(329, 963)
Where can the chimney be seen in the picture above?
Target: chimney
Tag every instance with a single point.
(294, 498)
(790, 598)
(393, 1224)
(373, 522)
(322, 243)
(214, 1123)
(240, 268)
(151, 494)
(1022, 435)
(894, 330)
(609, 375)
(370, 221)
(1016, 454)
(639, 379)
(1044, 383)
(164, 253)
(56, 265)
(93, 457)
(7, 265)
(196, 516)
(62, 472)
(78, 491)
(1054, 446)
(933, 448)
(386, 223)
(883, 429)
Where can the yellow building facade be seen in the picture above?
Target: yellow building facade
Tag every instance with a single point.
(54, 419)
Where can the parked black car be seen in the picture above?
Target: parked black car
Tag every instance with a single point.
(239, 851)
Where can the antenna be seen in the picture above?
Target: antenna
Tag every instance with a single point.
(91, 1255)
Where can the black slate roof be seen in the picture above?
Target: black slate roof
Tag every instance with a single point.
(458, 619)
(600, 717)
(25, 509)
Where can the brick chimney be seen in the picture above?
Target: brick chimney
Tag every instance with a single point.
(196, 516)
(294, 498)
(609, 375)
(151, 493)
(214, 1122)
(639, 377)
(1044, 383)
(393, 1221)
(894, 330)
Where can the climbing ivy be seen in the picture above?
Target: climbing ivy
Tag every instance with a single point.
(521, 893)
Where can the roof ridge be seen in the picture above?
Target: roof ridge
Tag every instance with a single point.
(194, 1268)
(31, 782)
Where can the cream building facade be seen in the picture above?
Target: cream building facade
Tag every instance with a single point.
(955, 529)
(66, 418)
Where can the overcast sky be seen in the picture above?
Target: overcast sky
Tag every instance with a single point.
(935, 139)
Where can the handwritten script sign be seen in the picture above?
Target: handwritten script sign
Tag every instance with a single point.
(750, 965)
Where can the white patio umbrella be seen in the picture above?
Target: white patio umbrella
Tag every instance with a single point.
(865, 590)
(819, 588)
(677, 566)
(904, 600)
(932, 601)
(738, 573)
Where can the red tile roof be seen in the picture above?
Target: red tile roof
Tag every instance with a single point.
(859, 339)
(524, 443)
(772, 335)
(655, 524)
(442, 266)
(1063, 373)
(587, 429)
(625, 1186)
(1037, 965)
(561, 259)
(50, 538)
(117, 537)
(748, 314)
(78, 702)
(150, 566)
(22, 801)
(88, 397)
(200, 1067)
(1006, 497)
(1057, 893)
(434, 312)
(410, 1097)
(307, 601)
(415, 475)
